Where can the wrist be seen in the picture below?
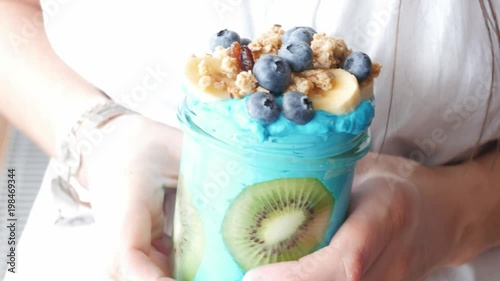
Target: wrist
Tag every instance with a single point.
(100, 134)
(74, 108)
(84, 136)
(442, 214)
(473, 211)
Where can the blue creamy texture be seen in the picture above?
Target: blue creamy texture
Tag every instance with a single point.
(229, 118)
(215, 173)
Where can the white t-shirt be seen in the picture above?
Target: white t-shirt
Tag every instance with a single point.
(442, 75)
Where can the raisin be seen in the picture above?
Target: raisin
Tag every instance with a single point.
(235, 52)
(243, 55)
(246, 58)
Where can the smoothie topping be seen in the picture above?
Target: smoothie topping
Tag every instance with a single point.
(263, 107)
(297, 107)
(273, 73)
(298, 54)
(328, 52)
(293, 73)
(219, 76)
(243, 56)
(224, 38)
(313, 81)
(245, 83)
(299, 33)
(359, 64)
(267, 43)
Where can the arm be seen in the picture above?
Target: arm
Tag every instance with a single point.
(44, 97)
(39, 93)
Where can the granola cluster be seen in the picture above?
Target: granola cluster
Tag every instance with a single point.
(328, 52)
(268, 43)
(222, 73)
(309, 81)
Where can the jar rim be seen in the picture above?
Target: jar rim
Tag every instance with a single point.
(345, 146)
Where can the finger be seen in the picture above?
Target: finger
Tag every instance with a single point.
(169, 210)
(299, 270)
(135, 265)
(350, 254)
(160, 259)
(138, 259)
(160, 253)
(367, 161)
(163, 245)
(364, 168)
(392, 268)
(399, 262)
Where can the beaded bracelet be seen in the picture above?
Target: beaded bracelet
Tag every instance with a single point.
(65, 189)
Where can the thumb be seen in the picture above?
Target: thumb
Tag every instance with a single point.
(368, 166)
(366, 163)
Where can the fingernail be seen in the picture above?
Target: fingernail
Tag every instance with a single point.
(252, 276)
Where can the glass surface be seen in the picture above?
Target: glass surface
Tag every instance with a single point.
(240, 206)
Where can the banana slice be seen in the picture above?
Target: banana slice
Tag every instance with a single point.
(343, 98)
(200, 74)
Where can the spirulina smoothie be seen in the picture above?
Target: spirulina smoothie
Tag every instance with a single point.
(273, 128)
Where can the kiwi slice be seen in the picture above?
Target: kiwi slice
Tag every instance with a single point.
(277, 220)
(189, 236)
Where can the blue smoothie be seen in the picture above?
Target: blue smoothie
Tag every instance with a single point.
(252, 194)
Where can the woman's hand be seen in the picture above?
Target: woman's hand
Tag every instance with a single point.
(128, 174)
(397, 230)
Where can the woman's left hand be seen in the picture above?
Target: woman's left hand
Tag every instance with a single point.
(130, 173)
(397, 229)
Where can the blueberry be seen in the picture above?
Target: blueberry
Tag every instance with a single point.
(272, 72)
(358, 64)
(223, 38)
(263, 107)
(297, 107)
(245, 41)
(299, 33)
(299, 55)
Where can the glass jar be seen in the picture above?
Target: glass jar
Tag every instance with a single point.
(243, 202)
